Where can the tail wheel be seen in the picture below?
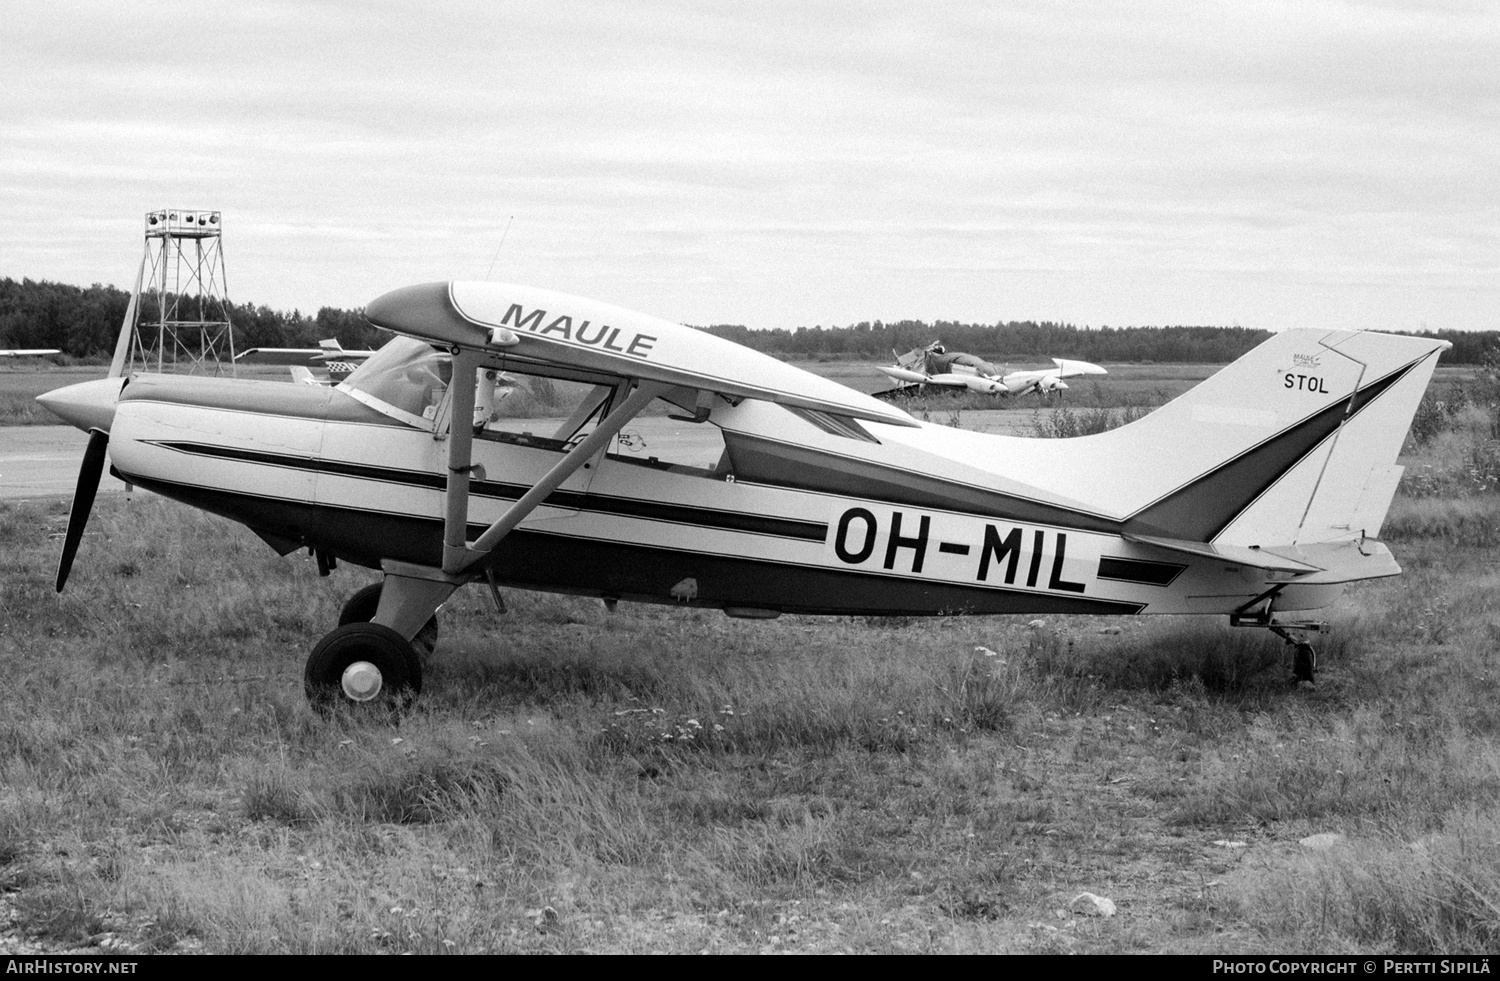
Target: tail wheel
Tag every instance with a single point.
(363, 668)
(361, 607)
(1304, 662)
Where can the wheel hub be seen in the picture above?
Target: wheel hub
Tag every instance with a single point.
(361, 681)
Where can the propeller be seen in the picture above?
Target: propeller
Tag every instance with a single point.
(90, 406)
(83, 501)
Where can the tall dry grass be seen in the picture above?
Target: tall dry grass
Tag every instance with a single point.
(666, 779)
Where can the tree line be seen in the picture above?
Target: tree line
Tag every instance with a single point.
(84, 323)
(1008, 341)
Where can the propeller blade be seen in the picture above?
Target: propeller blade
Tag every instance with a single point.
(83, 501)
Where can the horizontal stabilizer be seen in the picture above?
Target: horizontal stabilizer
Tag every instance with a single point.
(1348, 561)
(1255, 558)
(1322, 564)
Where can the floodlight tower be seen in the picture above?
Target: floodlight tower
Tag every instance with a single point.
(179, 313)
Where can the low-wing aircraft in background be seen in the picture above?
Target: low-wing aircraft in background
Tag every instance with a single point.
(1257, 495)
(326, 364)
(933, 365)
(28, 352)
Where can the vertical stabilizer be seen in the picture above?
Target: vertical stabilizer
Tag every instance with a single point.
(1307, 428)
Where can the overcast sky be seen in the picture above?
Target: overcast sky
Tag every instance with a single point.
(1268, 164)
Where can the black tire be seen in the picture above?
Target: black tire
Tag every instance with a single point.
(1304, 661)
(361, 607)
(391, 671)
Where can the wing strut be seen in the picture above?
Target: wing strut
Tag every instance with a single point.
(458, 555)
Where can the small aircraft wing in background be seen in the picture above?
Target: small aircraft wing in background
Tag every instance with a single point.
(326, 364)
(28, 352)
(1049, 379)
(935, 366)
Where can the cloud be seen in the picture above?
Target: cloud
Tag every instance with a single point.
(781, 163)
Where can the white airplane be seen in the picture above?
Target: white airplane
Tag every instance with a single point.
(28, 352)
(333, 363)
(1258, 495)
(933, 365)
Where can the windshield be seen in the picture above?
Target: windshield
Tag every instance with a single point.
(406, 376)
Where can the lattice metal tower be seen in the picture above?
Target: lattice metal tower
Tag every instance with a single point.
(179, 313)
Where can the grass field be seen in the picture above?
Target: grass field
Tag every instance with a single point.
(665, 779)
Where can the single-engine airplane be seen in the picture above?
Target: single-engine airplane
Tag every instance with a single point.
(1258, 495)
(28, 352)
(934, 365)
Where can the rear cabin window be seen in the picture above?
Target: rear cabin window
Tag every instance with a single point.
(665, 437)
(538, 410)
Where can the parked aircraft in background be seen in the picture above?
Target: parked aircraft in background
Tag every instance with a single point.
(1257, 495)
(933, 365)
(326, 364)
(28, 352)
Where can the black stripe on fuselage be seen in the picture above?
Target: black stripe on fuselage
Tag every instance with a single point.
(571, 564)
(811, 531)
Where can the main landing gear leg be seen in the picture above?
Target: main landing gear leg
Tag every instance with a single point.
(369, 664)
(361, 608)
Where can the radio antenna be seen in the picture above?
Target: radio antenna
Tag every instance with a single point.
(499, 247)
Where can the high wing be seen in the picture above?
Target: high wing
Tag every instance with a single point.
(28, 352)
(547, 326)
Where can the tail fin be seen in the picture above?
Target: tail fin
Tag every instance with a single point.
(1294, 443)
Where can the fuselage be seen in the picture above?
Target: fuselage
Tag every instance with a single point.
(759, 510)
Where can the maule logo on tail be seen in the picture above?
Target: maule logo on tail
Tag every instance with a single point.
(604, 337)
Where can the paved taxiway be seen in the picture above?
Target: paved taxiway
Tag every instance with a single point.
(42, 461)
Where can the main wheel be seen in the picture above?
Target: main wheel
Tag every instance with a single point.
(361, 607)
(364, 668)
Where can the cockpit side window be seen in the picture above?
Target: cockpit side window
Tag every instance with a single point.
(405, 380)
